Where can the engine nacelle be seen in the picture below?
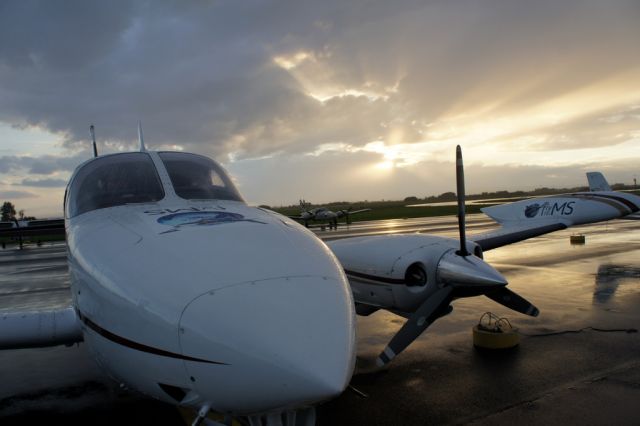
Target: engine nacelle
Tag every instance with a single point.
(395, 272)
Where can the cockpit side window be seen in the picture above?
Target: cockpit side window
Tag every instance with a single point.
(195, 177)
(114, 180)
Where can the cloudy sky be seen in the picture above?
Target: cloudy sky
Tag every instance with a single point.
(326, 100)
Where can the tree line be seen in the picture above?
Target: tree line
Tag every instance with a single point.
(8, 211)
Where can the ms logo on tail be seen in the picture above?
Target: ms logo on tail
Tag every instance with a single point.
(532, 210)
(549, 209)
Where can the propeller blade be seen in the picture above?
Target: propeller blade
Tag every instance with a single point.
(511, 300)
(461, 201)
(415, 325)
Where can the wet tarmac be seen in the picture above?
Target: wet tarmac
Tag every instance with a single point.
(476, 223)
(577, 363)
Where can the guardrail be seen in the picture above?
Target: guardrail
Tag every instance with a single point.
(33, 227)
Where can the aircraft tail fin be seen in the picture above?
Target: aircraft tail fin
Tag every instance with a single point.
(597, 182)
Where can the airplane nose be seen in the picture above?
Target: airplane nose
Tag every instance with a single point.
(270, 344)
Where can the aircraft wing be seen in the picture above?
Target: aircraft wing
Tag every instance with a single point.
(520, 221)
(514, 232)
(530, 218)
(38, 329)
(32, 329)
(359, 211)
(342, 213)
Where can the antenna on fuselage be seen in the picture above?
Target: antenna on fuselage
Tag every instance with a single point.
(92, 131)
(141, 138)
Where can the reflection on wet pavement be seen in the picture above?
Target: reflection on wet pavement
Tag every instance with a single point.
(609, 277)
(34, 278)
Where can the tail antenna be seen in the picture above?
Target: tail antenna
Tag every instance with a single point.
(92, 131)
(141, 138)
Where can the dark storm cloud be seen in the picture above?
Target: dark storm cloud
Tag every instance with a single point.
(43, 165)
(194, 73)
(44, 183)
(202, 74)
(60, 36)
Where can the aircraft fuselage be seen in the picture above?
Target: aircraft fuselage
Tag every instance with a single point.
(202, 301)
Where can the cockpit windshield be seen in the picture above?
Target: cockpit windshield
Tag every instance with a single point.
(195, 177)
(112, 181)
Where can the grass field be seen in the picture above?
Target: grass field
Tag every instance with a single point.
(388, 210)
(398, 209)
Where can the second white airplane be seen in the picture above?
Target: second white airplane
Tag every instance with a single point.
(323, 214)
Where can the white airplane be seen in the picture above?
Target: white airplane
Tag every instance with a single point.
(561, 211)
(186, 294)
(183, 292)
(323, 214)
